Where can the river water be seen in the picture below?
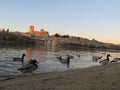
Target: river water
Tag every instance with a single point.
(48, 60)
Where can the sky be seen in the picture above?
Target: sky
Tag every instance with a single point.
(98, 19)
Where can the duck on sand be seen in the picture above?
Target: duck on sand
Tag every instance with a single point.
(92, 78)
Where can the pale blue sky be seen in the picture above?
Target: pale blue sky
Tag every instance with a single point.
(99, 19)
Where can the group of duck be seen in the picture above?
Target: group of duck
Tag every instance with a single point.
(29, 67)
(95, 58)
(64, 59)
(105, 61)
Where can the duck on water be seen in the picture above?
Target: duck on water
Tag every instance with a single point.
(105, 61)
(115, 60)
(96, 58)
(19, 58)
(65, 59)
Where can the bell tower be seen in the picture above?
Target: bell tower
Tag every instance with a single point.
(31, 29)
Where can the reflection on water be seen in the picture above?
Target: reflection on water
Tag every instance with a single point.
(47, 59)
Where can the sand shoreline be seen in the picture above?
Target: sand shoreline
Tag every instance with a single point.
(92, 78)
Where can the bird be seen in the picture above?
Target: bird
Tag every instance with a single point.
(62, 59)
(68, 60)
(96, 58)
(29, 68)
(105, 61)
(65, 59)
(115, 60)
(59, 57)
(19, 59)
(78, 56)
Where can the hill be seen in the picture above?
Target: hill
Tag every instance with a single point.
(84, 43)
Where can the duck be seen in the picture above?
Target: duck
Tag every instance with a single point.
(96, 58)
(68, 59)
(78, 56)
(62, 59)
(70, 56)
(65, 59)
(29, 68)
(105, 61)
(59, 57)
(115, 60)
(19, 59)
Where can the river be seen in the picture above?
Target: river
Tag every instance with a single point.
(47, 59)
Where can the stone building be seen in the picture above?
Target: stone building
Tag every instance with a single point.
(40, 33)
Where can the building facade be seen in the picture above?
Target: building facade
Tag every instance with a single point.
(40, 33)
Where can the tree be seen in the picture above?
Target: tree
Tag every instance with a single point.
(65, 36)
(57, 35)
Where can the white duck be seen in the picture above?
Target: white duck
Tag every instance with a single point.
(105, 61)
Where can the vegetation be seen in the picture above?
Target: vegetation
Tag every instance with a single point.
(61, 41)
(62, 36)
(84, 43)
(11, 38)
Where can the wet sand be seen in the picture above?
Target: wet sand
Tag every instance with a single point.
(93, 78)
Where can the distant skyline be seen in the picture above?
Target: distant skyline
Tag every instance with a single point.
(99, 19)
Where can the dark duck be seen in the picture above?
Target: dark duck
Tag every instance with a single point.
(19, 58)
(105, 61)
(29, 68)
(66, 59)
(96, 58)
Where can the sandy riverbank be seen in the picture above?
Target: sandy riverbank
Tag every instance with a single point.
(93, 78)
